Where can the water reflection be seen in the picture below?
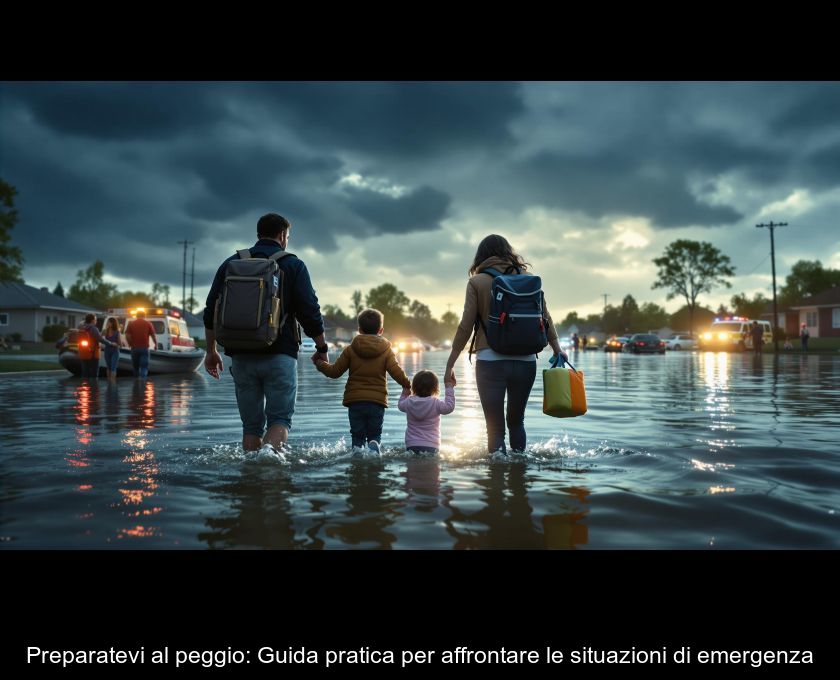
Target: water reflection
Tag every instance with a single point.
(258, 511)
(138, 501)
(371, 508)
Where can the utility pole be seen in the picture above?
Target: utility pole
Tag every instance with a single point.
(184, 276)
(606, 295)
(192, 281)
(771, 227)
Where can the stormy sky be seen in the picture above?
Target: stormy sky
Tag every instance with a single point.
(398, 182)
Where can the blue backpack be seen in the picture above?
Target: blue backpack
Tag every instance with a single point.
(516, 323)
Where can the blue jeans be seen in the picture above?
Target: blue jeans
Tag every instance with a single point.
(140, 361)
(365, 422)
(112, 358)
(266, 388)
(495, 378)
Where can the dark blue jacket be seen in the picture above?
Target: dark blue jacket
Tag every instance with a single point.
(299, 301)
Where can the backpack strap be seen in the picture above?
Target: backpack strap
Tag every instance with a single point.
(478, 322)
(244, 254)
(279, 255)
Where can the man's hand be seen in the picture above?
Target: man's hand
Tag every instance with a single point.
(318, 356)
(213, 364)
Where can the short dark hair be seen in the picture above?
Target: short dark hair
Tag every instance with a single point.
(272, 225)
(90, 318)
(370, 321)
(424, 383)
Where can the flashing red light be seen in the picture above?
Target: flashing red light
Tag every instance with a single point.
(84, 343)
(175, 314)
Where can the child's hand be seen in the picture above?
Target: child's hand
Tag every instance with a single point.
(450, 383)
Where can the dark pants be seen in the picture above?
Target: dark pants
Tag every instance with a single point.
(365, 421)
(494, 379)
(90, 368)
(140, 362)
(804, 340)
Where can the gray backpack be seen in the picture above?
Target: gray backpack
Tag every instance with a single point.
(249, 312)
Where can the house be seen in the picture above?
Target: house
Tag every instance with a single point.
(338, 331)
(26, 310)
(195, 324)
(820, 313)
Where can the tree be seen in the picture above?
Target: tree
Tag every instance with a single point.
(807, 278)
(58, 290)
(11, 257)
(449, 323)
(90, 289)
(629, 308)
(420, 311)
(743, 306)
(160, 295)
(650, 317)
(389, 300)
(357, 302)
(132, 299)
(572, 319)
(192, 303)
(689, 268)
(336, 313)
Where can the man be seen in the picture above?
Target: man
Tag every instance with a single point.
(804, 334)
(89, 354)
(266, 378)
(138, 333)
(757, 333)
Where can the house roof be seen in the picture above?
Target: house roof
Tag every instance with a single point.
(21, 296)
(826, 298)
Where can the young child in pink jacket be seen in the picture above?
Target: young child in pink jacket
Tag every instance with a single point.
(424, 410)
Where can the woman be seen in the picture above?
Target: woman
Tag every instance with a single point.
(112, 351)
(497, 374)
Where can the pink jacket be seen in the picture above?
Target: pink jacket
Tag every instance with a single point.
(424, 417)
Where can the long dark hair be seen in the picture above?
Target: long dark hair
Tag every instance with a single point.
(497, 246)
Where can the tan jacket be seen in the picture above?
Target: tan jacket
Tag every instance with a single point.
(368, 357)
(477, 302)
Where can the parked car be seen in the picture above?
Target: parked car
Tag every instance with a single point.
(645, 343)
(678, 342)
(615, 343)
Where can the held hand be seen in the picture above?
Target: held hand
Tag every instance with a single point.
(449, 376)
(213, 364)
(318, 356)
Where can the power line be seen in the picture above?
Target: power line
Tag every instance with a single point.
(772, 226)
(760, 263)
(184, 276)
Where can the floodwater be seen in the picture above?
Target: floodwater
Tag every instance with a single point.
(687, 450)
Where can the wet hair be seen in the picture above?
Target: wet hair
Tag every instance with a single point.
(497, 246)
(370, 321)
(424, 383)
(108, 323)
(272, 225)
(90, 318)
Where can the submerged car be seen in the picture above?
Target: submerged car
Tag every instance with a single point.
(615, 343)
(645, 343)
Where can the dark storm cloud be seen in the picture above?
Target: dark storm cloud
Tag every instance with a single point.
(816, 110)
(419, 210)
(127, 111)
(615, 184)
(393, 119)
(237, 178)
(120, 171)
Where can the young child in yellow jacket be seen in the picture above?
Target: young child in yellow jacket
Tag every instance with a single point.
(369, 357)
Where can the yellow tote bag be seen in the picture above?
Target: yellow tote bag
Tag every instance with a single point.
(564, 395)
